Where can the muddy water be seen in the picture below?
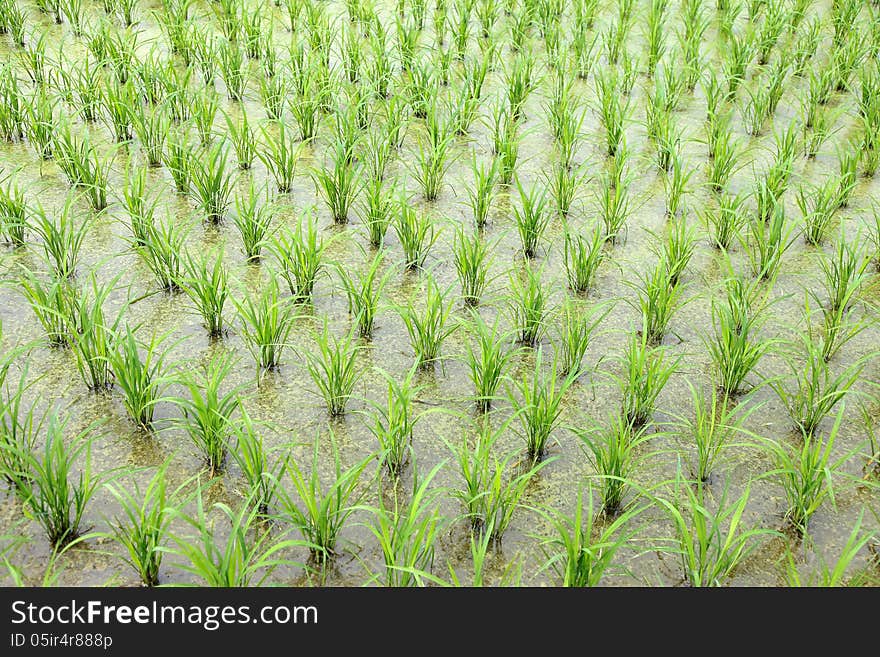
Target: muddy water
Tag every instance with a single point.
(292, 415)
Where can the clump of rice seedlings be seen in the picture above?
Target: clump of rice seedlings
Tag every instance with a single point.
(177, 157)
(93, 336)
(848, 164)
(812, 389)
(725, 222)
(378, 154)
(140, 378)
(118, 103)
(844, 273)
(267, 323)
(612, 451)
(819, 123)
(261, 475)
(767, 241)
(577, 326)
(655, 33)
(300, 254)
(406, 533)
(805, 473)
(487, 358)
(144, 527)
(580, 550)
(208, 287)
(710, 543)
(736, 61)
(613, 111)
(233, 69)
(253, 222)
(273, 92)
(279, 154)
(364, 293)
(61, 238)
(481, 193)
(53, 490)
(339, 186)
(538, 406)
(433, 157)
(416, 232)
(162, 253)
(472, 260)
(204, 111)
(532, 218)
(528, 305)
(695, 23)
(248, 555)
(614, 206)
(817, 205)
(208, 412)
(378, 206)
(140, 209)
(646, 369)
(489, 495)
(83, 165)
(582, 257)
(322, 511)
(520, 81)
(41, 123)
(243, 141)
(392, 423)
(333, 368)
(563, 184)
(427, 330)
(805, 45)
(505, 143)
(211, 183)
(676, 250)
(658, 299)
(736, 349)
(52, 303)
(19, 430)
(13, 214)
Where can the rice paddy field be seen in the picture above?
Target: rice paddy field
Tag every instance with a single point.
(439, 292)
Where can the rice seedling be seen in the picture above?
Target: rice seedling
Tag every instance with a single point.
(481, 194)
(300, 254)
(472, 261)
(19, 429)
(532, 218)
(13, 214)
(53, 490)
(140, 378)
(207, 284)
(407, 532)
(710, 544)
(487, 359)
(339, 186)
(736, 61)
(280, 155)
(528, 305)
(378, 206)
(427, 330)
(52, 304)
(162, 252)
(490, 496)
(93, 336)
(612, 451)
(273, 93)
(333, 368)
(725, 222)
(767, 241)
(578, 324)
(539, 405)
(844, 273)
(118, 104)
(817, 205)
(580, 550)
(253, 222)
(322, 512)
(416, 232)
(582, 256)
(433, 158)
(848, 164)
(659, 296)
(210, 183)
(82, 164)
(40, 126)
(208, 413)
(262, 475)
(267, 323)
(613, 111)
(61, 238)
(392, 423)
(646, 369)
(243, 141)
(204, 111)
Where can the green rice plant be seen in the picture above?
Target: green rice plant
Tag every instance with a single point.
(416, 232)
(725, 161)
(563, 184)
(434, 157)
(377, 209)
(364, 294)
(613, 111)
(812, 388)
(144, 526)
(93, 336)
(339, 186)
(392, 423)
(645, 371)
(710, 544)
(247, 555)
(280, 155)
(614, 206)
(528, 305)
(487, 359)
(118, 101)
(253, 221)
(819, 122)
(273, 93)
(300, 254)
(806, 44)
(736, 61)
(532, 217)
(582, 257)
(233, 69)
(577, 326)
(805, 473)
(54, 492)
(151, 126)
(140, 378)
(676, 184)
(427, 330)
(267, 323)
(505, 143)
(736, 349)
(407, 532)
(208, 413)
(210, 183)
(725, 222)
(52, 304)
(177, 157)
(243, 141)
(82, 164)
(844, 273)
(658, 299)
(482, 192)
(333, 368)
(581, 550)
(472, 260)
(262, 476)
(612, 451)
(208, 287)
(655, 32)
(538, 405)
(163, 254)
(306, 108)
(40, 126)
(489, 495)
(19, 430)
(848, 164)
(61, 238)
(817, 204)
(767, 241)
(13, 214)
(204, 111)
(141, 210)
(322, 512)
(378, 154)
